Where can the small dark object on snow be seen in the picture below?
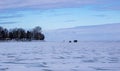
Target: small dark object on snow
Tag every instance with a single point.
(75, 41)
(70, 41)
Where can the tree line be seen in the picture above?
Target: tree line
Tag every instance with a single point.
(21, 34)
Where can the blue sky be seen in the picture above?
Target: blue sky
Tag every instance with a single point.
(55, 14)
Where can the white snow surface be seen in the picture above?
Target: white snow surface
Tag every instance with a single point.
(60, 56)
(107, 32)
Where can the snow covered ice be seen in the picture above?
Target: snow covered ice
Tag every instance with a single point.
(59, 56)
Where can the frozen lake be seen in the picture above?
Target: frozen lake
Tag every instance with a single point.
(59, 56)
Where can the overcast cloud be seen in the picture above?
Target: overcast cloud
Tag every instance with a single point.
(48, 4)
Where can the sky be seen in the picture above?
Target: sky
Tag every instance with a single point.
(55, 14)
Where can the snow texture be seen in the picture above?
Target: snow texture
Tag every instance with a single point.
(59, 56)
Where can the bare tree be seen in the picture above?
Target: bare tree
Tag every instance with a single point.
(37, 33)
(21, 34)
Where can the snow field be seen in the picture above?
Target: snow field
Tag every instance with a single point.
(59, 56)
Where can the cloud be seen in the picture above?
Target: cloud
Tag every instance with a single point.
(11, 16)
(101, 15)
(112, 8)
(49, 4)
(106, 5)
(42, 4)
(68, 21)
(8, 22)
(107, 8)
